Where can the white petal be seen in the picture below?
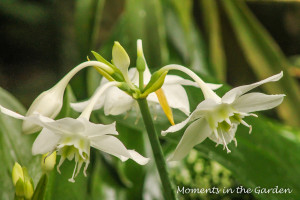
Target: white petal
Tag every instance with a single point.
(176, 97)
(117, 102)
(95, 130)
(61, 126)
(176, 127)
(133, 75)
(206, 105)
(214, 86)
(147, 75)
(173, 79)
(45, 142)
(111, 145)
(11, 113)
(138, 157)
(80, 106)
(233, 94)
(197, 132)
(257, 101)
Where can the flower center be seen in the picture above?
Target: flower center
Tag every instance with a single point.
(74, 147)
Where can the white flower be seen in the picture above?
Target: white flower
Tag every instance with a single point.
(72, 138)
(218, 118)
(49, 103)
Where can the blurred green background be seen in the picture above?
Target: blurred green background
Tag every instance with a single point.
(233, 42)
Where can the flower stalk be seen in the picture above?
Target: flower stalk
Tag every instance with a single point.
(157, 151)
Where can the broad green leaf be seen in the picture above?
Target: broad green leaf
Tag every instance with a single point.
(133, 139)
(265, 57)
(60, 188)
(216, 51)
(14, 146)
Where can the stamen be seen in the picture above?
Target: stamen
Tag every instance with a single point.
(62, 159)
(72, 178)
(78, 168)
(245, 124)
(224, 144)
(235, 142)
(85, 167)
(228, 121)
(216, 133)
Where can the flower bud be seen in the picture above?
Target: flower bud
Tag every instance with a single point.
(155, 83)
(17, 173)
(140, 64)
(28, 189)
(119, 57)
(20, 188)
(140, 61)
(48, 162)
(48, 104)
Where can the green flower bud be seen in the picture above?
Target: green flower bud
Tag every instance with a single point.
(119, 57)
(28, 189)
(117, 74)
(140, 64)
(20, 188)
(156, 82)
(17, 173)
(48, 162)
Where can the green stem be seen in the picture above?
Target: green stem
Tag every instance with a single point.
(141, 80)
(157, 151)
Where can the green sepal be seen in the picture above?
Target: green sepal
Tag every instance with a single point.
(125, 87)
(117, 75)
(155, 83)
(20, 188)
(40, 189)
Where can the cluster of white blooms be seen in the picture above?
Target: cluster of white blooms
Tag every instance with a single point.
(215, 117)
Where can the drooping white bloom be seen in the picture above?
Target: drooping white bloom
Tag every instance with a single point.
(72, 138)
(218, 118)
(49, 103)
(116, 101)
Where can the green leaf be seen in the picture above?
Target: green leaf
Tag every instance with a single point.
(40, 189)
(217, 57)
(133, 139)
(265, 57)
(14, 146)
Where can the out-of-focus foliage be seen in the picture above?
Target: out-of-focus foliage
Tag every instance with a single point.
(204, 35)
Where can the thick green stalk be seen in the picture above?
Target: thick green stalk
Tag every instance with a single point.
(157, 150)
